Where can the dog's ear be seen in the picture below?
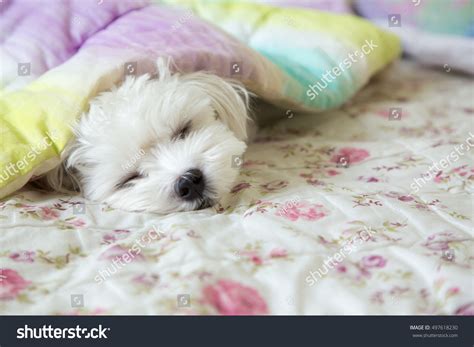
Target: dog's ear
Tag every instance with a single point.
(229, 99)
(62, 178)
(66, 177)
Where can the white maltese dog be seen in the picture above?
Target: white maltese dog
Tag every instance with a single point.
(158, 145)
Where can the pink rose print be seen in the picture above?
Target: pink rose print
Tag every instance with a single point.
(48, 214)
(303, 210)
(278, 253)
(465, 310)
(405, 198)
(453, 291)
(146, 280)
(256, 259)
(439, 178)
(121, 231)
(232, 298)
(274, 185)
(119, 252)
(464, 171)
(368, 179)
(248, 163)
(115, 235)
(241, 186)
(78, 223)
(11, 284)
(252, 256)
(349, 155)
(439, 241)
(333, 172)
(108, 239)
(25, 206)
(23, 256)
(373, 261)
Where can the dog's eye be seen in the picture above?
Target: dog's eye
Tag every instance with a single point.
(183, 132)
(127, 181)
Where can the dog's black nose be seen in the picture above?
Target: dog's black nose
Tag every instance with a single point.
(190, 186)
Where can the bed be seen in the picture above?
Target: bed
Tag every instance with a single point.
(309, 185)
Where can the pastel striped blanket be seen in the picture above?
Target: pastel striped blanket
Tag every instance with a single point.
(56, 56)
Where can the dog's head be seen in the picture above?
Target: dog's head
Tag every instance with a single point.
(163, 144)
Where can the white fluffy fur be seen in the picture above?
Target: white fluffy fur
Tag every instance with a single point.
(133, 129)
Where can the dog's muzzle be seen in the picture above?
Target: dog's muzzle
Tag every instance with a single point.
(190, 186)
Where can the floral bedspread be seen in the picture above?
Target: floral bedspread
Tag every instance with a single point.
(339, 213)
